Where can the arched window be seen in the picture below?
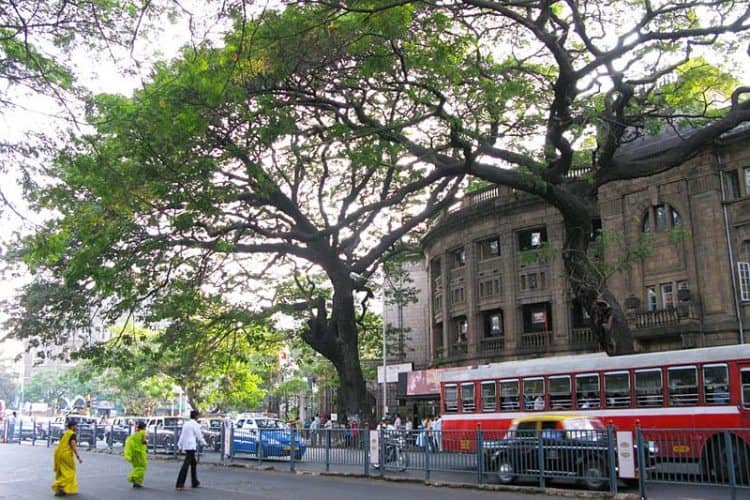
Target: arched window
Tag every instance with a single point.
(659, 218)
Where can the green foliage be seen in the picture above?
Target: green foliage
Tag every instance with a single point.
(8, 384)
(540, 255)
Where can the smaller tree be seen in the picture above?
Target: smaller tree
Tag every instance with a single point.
(8, 384)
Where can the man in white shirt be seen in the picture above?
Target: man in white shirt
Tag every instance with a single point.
(190, 436)
(437, 427)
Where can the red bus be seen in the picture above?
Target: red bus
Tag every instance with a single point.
(698, 391)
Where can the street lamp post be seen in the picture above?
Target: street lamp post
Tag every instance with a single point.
(385, 354)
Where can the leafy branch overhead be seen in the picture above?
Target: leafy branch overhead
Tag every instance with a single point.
(321, 136)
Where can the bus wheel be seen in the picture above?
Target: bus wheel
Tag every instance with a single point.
(504, 470)
(594, 474)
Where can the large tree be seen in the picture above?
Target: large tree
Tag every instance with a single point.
(319, 137)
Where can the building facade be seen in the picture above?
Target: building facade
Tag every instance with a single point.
(497, 285)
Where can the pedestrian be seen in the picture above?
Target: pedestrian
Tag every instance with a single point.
(314, 427)
(437, 430)
(135, 453)
(397, 422)
(64, 463)
(11, 436)
(190, 436)
(539, 403)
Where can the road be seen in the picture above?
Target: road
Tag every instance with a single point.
(26, 474)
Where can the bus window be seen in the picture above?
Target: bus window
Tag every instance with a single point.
(648, 388)
(451, 398)
(587, 390)
(468, 405)
(509, 395)
(560, 395)
(745, 374)
(682, 384)
(488, 396)
(716, 384)
(533, 394)
(617, 389)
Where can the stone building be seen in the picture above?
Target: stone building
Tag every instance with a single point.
(497, 286)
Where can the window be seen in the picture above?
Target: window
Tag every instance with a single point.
(526, 430)
(488, 396)
(468, 405)
(660, 216)
(743, 270)
(651, 301)
(533, 394)
(648, 388)
(667, 295)
(532, 281)
(532, 239)
(664, 217)
(490, 288)
(493, 324)
(716, 384)
(509, 395)
(458, 258)
(462, 329)
(436, 271)
(682, 386)
(457, 295)
(587, 391)
(451, 398)
(617, 389)
(537, 317)
(747, 180)
(560, 394)
(745, 376)
(732, 184)
(489, 249)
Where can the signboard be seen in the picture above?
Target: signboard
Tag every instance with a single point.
(626, 454)
(374, 447)
(392, 372)
(424, 382)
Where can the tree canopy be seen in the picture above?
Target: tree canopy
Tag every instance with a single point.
(323, 136)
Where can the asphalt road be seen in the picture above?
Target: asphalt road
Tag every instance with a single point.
(26, 474)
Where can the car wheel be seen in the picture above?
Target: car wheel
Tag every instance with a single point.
(594, 474)
(504, 470)
(168, 442)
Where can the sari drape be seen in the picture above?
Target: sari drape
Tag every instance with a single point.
(64, 465)
(135, 453)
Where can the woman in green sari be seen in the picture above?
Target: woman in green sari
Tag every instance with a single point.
(135, 453)
(64, 463)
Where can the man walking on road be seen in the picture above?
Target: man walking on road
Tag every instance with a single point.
(190, 436)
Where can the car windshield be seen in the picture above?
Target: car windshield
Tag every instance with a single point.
(172, 422)
(268, 423)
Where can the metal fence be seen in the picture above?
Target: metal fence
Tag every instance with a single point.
(705, 457)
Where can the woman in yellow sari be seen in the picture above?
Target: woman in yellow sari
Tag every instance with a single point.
(64, 463)
(135, 453)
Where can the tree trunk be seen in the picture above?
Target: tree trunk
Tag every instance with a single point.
(337, 340)
(608, 321)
